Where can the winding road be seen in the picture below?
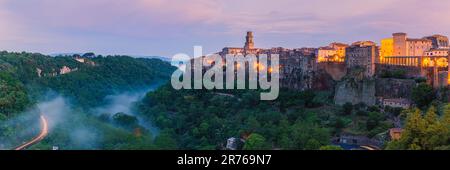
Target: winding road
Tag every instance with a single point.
(42, 134)
(370, 148)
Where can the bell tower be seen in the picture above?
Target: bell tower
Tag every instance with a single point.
(249, 44)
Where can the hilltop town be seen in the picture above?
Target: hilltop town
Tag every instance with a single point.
(393, 78)
(362, 72)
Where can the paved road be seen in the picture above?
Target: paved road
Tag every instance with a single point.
(371, 148)
(42, 135)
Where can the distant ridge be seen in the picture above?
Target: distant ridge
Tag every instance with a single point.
(134, 56)
(154, 57)
(65, 54)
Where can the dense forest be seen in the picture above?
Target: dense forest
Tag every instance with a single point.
(91, 81)
(296, 120)
(201, 119)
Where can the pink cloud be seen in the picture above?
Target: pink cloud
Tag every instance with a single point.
(181, 11)
(89, 22)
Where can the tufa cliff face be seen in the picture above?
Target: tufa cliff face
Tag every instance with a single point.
(355, 88)
(298, 79)
(355, 91)
(336, 70)
(299, 71)
(394, 88)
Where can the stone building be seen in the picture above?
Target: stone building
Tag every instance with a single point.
(325, 54)
(249, 43)
(428, 54)
(335, 52)
(386, 49)
(417, 47)
(397, 103)
(401, 50)
(404, 46)
(437, 52)
(65, 70)
(249, 47)
(340, 50)
(395, 133)
(438, 41)
(232, 50)
(362, 54)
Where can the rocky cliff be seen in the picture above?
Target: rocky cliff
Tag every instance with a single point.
(355, 91)
(336, 70)
(355, 88)
(394, 88)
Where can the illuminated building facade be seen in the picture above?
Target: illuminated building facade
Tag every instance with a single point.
(386, 48)
(362, 54)
(335, 52)
(428, 53)
(439, 41)
(340, 50)
(325, 54)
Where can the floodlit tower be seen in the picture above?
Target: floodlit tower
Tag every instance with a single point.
(399, 44)
(249, 44)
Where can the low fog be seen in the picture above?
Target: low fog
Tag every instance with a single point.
(61, 118)
(69, 123)
(55, 111)
(19, 128)
(125, 103)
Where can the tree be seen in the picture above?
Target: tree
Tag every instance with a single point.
(2, 117)
(308, 98)
(446, 115)
(305, 134)
(125, 120)
(426, 132)
(312, 144)
(373, 120)
(431, 117)
(165, 141)
(256, 142)
(347, 108)
(422, 95)
(330, 147)
(253, 124)
(436, 133)
(339, 123)
(90, 54)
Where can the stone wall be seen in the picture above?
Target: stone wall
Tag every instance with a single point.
(301, 79)
(355, 88)
(394, 88)
(336, 70)
(350, 91)
(299, 71)
(411, 71)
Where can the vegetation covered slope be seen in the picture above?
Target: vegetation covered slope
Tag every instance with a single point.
(27, 78)
(31, 75)
(195, 119)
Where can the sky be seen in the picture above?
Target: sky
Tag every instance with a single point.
(168, 27)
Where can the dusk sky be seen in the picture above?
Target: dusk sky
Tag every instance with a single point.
(167, 27)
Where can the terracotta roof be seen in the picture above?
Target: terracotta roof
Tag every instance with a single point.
(326, 48)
